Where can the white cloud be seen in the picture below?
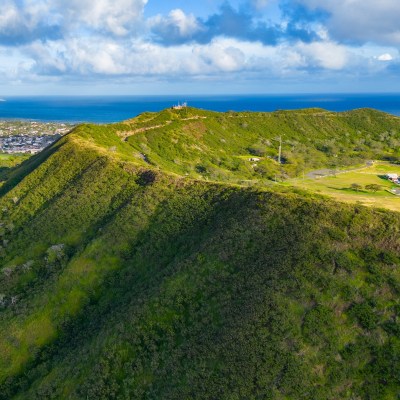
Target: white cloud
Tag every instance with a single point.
(176, 27)
(326, 55)
(221, 58)
(97, 56)
(187, 24)
(83, 39)
(9, 16)
(385, 57)
(23, 21)
(115, 16)
(362, 20)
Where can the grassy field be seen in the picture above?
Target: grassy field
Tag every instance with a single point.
(339, 186)
(8, 160)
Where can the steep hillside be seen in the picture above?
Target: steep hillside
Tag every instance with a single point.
(121, 279)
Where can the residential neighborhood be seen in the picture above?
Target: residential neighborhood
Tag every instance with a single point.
(29, 136)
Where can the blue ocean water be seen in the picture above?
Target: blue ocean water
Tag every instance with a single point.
(101, 109)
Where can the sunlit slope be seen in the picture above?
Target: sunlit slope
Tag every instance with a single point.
(121, 280)
(219, 146)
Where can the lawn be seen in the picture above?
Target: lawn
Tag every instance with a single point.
(339, 186)
(10, 160)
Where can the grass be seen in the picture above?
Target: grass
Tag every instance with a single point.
(217, 146)
(339, 186)
(11, 160)
(8, 162)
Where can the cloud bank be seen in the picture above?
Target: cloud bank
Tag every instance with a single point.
(259, 40)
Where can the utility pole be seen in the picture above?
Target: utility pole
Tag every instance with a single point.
(280, 149)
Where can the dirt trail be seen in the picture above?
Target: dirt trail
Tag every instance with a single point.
(126, 134)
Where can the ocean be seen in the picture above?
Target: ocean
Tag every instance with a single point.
(105, 109)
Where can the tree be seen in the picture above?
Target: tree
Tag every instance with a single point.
(356, 186)
(373, 187)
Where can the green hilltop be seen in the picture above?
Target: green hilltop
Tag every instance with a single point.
(218, 146)
(137, 262)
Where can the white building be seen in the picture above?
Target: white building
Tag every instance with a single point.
(392, 177)
(179, 106)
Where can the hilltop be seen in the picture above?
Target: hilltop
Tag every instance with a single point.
(219, 145)
(138, 264)
(262, 149)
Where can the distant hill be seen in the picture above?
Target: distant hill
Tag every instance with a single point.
(136, 264)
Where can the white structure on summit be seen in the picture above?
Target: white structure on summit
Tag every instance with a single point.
(179, 106)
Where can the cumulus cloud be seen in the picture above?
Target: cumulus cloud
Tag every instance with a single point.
(241, 23)
(86, 39)
(104, 57)
(24, 21)
(111, 16)
(100, 56)
(226, 59)
(175, 28)
(327, 55)
(360, 21)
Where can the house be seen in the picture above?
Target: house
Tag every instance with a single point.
(254, 159)
(392, 177)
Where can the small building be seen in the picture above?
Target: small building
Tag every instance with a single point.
(254, 159)
(392, 177)
(179, 106)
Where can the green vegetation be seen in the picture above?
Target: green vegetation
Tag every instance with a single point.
(124, 278)
(8, 161)
(338, 186)
(356, 186)
(373, 187)
(218, 146)
(11, 160)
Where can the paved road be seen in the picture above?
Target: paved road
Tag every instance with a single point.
(322, 173)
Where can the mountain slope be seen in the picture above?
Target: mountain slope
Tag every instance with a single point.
(219, 146)
(120, 280)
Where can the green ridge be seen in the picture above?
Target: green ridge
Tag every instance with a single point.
(218, 146)
(124, 278)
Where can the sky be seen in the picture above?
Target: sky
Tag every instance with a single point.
(133, 47)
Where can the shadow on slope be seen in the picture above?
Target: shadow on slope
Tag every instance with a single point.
(244, 291)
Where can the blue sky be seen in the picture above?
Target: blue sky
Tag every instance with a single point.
(202, 47)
